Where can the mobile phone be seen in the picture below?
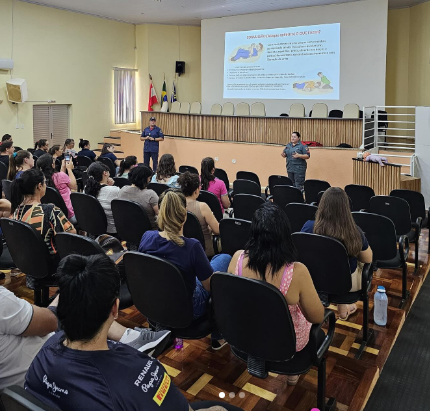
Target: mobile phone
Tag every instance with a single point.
(67, 157)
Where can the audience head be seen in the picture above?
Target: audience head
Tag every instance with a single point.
(270, 246)
(42, 144)
(6, 137)
(21, 160)
(207, 172)
(84, 144)
(189, 183)
(98, 174)
(56, 150)
(69, 144)
(166, 167)
(29, 183)
(46, 164)
(172, 214)
(140, 176)
(7, 148)
(107, 148)
(334, 219)
(126, 164)
(89, 295)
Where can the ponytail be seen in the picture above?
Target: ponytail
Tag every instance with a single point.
(95, 174)
(44, 164)
(208, 164)
(126, 164)
(83, 143)
(41, 143)
(36, 144)
(25, 185)
(16, 160)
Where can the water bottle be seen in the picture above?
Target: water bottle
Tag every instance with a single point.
(179, 343)
(381, 304)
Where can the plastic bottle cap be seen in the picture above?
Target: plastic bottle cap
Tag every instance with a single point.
(380, 289)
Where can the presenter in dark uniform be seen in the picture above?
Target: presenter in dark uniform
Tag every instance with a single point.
(296, 154)
(152, 135)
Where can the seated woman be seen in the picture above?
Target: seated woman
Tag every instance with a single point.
(166, 172)
(100, 186)
(126, 166)
(41, 147)
(86, 151)
(56, 151)
(18, 163)
(334, 219)
(213, 184)
(68, 147)
(64, 181)
(271, 256)
(140, 177)
(186, 253)
(190, 186)
(6, 150)
(108, 152)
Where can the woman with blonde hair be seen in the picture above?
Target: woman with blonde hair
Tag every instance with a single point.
(334, 219)
(186, 254)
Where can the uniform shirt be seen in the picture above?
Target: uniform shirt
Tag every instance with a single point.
(38, 153)
(112, 156)
(152, 146)
(87, 153)
(295, 165)
(120, 378)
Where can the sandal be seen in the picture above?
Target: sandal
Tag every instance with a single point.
(349, 312)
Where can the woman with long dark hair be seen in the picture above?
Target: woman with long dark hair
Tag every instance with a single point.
(108, 152)
(86, 151)
(41, 147)
(126, 165)
(270, 256)
(212, 184)
(20, 161)
(56, 151)
(100, 186)
(166, 172)
(334, 219)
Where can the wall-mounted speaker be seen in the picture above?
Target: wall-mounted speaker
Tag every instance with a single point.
(17, 90)
(180, 67)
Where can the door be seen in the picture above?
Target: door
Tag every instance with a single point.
(51, 122)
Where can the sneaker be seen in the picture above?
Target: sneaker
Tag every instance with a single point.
(148, 339)
(216, 345)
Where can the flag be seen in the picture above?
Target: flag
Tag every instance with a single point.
(152, 97)
(164, 92)
(173, 95)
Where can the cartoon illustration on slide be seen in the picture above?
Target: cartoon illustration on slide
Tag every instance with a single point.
(320, 86)
(246, 54)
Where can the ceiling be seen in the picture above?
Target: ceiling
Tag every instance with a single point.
(186, 12)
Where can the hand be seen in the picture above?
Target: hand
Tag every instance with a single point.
(110, 181)
(63, 166)
(69, 165)
(296, 155)
(283, 155)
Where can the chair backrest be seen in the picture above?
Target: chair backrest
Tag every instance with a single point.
(196, 107)
(89, 213)
(164, 107)
(27, 248)
(193, 229)
(246, 187)
(327, 261)
(68, 243)
(234, 234)
(191, 169)
(248, 175)
(3, 171)
(277, 180)
(298, 214)
(319, 110)
(175, 107)
(6, 187)
(159, 188)
(216, 109)
(222, 175)
(212, 201)
(162, 298)
(359, 195)
(380, 233)
(242, 109)
(283, 195)
(312, 188)
(227, 109)
(83, 161)
(258, 110)
(335, 113)
(396, 209)
(52, 196)
(239, 303)
(245, 205)
(108, 162)
(297, 110)
(185, 108)
(121, 182)
(415, 199)
(131, 220)
(16, 398)
(351, 110)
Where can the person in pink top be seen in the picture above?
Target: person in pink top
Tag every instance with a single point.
(213, 184)
(270, 256)
(64, 181)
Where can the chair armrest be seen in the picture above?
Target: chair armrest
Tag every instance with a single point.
(215, 239)
(314, 204)
(403, 248)
(366, 278)
(269, 198)
(318, 351)
(23, 397)
(266, 191)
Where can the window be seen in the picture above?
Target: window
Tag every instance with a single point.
(51, 122)
(125, 95)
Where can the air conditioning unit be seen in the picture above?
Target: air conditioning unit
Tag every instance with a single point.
(6, 64)
(17, 90)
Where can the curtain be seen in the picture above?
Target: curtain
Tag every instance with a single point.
(125, 96)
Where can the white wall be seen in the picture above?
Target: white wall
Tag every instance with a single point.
(362, 51)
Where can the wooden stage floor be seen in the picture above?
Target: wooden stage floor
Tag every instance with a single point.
(202, 374)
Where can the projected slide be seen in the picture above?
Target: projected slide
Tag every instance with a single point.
(291, 63)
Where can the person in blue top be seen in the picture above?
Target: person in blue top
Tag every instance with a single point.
(108, 152)
(151, 135)
(247, 53)
(296, 154)
(86, 151)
